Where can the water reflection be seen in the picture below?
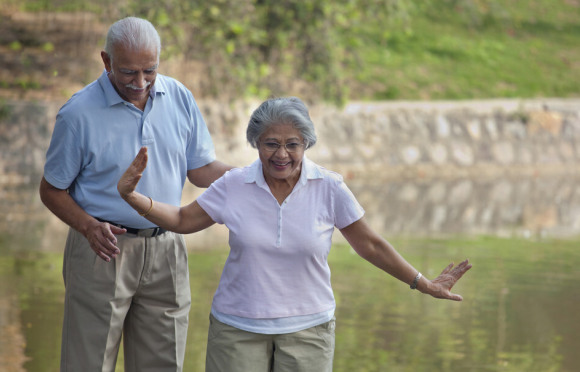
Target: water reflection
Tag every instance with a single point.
(520, 207)
(519, 314)
(505, 207)
(521, 299)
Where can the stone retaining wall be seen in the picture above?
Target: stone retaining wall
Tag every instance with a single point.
(369, 140)
(505, 167)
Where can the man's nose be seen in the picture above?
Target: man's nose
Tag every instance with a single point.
(140, 81)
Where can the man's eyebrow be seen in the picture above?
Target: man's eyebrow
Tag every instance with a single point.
(131, 71)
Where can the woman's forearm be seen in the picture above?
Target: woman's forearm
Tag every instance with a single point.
(163, 215)
(185, 220)
(375, 249)
(384, 256)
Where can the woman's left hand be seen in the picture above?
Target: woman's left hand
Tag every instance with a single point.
(440, 287)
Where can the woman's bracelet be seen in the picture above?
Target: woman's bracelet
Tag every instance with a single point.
(413, 285)
(150, 209)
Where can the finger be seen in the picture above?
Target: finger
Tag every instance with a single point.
(103, 256)
(106, 247)
(461, 269)
(140, 162)
(145, 159)
(107, 233)
(106, 241)
(446, 270)
(138, 159)
(455, 297)
(117, 230)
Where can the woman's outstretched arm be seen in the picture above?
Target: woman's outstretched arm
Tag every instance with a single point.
(375, 249)
(184, 220)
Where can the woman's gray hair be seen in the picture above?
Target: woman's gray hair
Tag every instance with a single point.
(134, 33)
(279, 111)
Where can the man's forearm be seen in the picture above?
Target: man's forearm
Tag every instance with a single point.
(62, 205)
(206, 175)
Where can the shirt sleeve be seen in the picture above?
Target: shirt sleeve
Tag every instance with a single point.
(346, 208)
(200, 150)
(64, 156)
(213, 200)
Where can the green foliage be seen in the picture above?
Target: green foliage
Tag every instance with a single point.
(357, 49)
(266, 47)
(60, 5)
(15, 46)
(4, 113)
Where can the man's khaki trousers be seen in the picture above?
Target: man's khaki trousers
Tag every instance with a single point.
(143, 294)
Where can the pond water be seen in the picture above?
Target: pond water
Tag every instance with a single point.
(520, 309)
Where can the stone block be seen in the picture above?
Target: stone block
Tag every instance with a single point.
(537, 218)
(515, 130)
(548, 121)
(474, 129)
(460, 192)
(524, 155)
(436, 192)
(501, 192)
(567, 151)
(411, 155)
(438, 153)
(409, 192)
(491, 128)
(548, 154)
(443, 128)
(503, 152)
(462, 154)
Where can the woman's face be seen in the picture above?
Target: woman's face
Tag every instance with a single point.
(281, 164)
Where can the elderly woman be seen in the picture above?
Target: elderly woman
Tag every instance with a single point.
(274, 306)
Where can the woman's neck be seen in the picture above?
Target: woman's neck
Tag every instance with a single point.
(282, 188)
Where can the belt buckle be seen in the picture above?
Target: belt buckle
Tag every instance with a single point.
(148, 233)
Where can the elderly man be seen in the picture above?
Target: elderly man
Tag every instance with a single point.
(122, 273)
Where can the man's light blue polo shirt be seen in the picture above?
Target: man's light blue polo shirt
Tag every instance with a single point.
(97, 135)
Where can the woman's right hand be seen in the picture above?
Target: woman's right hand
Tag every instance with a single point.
(129, 180)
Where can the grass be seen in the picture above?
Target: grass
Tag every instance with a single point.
(530, 50)
(450, 49)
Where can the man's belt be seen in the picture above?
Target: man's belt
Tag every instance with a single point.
(147, 233)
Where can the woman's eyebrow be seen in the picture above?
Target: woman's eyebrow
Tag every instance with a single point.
(277, 140)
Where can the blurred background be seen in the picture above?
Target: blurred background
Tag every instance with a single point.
(456, 123)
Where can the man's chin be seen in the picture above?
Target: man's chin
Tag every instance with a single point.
(133, 96)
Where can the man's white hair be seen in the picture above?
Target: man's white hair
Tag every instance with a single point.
(133, 33)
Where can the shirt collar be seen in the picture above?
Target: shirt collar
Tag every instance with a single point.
(309, 171)
(114, 98)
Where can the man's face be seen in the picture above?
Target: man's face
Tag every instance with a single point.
(133, 73)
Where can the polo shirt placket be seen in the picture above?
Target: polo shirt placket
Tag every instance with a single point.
(262, 183)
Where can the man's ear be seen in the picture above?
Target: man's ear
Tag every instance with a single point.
(106, 61)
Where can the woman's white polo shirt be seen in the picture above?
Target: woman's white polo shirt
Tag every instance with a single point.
(277, 266)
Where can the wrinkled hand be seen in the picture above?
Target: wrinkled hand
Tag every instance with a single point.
(133, 174)
(101, 237)
(440, 287)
